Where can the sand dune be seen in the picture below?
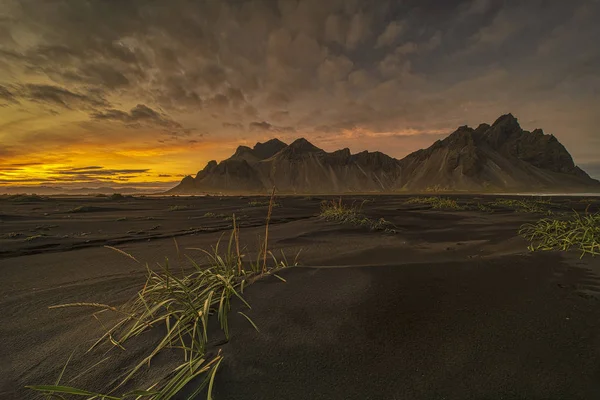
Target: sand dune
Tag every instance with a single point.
(451, 306)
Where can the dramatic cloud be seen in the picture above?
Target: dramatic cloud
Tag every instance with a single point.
(57, 96)
(198, 78)
(7, 96)
(81, 175)
(138, 114)
(267, 127)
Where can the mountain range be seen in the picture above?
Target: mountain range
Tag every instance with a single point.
(500, 157)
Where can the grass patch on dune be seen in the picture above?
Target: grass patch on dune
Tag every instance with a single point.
(232, 217)
(436, 202)
(23, 198)
(179, 208)
(118, 196)
(84, 209)
(581, 232)
(258, 203)
(185, 303)
(483, 208)
(11, 235)
(33, 237)
(532, 206)
(336, 210)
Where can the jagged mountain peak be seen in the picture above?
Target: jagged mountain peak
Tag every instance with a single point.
(482, 128)
(343, 153)
(502, 129)
(461, 137)
(268, 149)
(499, 157)
(241, 150)
(210, 165)
(270, 142)
(302, 144)
(507, 120)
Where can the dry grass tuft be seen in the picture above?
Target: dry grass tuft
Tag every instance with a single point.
(580, 232)
(185, 304)
(336, 210)
(437, 203)
(532, 206)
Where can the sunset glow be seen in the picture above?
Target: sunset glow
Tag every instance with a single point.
(147, 96)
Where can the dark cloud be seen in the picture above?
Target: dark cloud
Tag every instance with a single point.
(267, 127)
(218, 101)
(279, 115)
(79, 174)
(58, 96)
(100, 74)
(309, 66)
(7, 96)
(140, 114)
(278, 99)
(79, 169)
(233, 125)
(96, 172)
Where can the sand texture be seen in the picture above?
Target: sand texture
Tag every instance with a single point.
(450, 306)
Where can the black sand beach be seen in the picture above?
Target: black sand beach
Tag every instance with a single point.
(451, 306)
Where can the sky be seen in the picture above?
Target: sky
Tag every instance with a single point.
(143, 92)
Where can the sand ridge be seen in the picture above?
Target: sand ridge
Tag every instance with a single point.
(452, 306)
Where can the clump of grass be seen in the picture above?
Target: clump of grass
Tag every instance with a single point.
(82, 209)
(23, 198)
(11, 235)
(33, 237)
(186, 304)
(117, 196)
(533, 206)
(121, 219)
(337, 211)
(435, 188)
(231, 217)
(258, 203)
(178, 208)
(44, 227)
(579, 232)
(352, 214)
(484, 208)
(210, 215)
(436, 202)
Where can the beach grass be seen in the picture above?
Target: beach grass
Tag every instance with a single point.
(179, 208)
(23, 198)
(184, 303)
(484, 208)
(337, 211)
(117, 196)
(534, 206)
(436, 202)
(581, 232)
(259, 203)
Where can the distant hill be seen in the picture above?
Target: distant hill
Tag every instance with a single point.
(500, 157)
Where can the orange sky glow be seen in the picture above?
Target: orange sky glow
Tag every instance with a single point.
(94, 93)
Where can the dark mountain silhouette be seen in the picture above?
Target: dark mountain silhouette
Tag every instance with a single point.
(500, 157)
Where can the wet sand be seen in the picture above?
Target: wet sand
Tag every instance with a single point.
(452, 306)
